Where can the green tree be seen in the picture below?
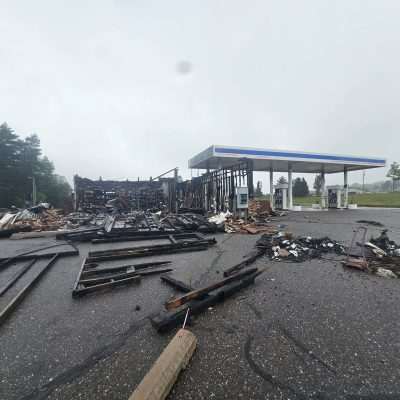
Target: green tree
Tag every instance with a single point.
(394, 173)
(300, 188)
(10, 171)
(258, 191)
(318, 184)
(20, 161)
(282, 180)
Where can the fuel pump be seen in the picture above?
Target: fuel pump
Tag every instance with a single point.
(280, 196)
(334, 198)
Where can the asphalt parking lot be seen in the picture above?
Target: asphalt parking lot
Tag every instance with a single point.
(304, 330)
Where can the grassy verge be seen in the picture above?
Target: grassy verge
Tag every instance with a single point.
(364, 200)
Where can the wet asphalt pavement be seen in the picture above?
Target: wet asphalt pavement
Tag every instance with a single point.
(311, 330)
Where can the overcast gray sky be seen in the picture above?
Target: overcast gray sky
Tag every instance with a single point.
(127, 88)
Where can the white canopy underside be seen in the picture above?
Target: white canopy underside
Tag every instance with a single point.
(281, 160)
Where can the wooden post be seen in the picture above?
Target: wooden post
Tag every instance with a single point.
(159, 380)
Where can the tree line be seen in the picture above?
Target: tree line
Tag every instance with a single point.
(23, 167)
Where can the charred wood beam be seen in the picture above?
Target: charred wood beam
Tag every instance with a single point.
(15, 278)
(206, 242)
(151, 235)
(144, 251)
(122, 268)
(82, 291)
(177, 302)
(16, 300)
(169, 320)
(115, 277)
(29, 255)
(176, 284)
(249, 260)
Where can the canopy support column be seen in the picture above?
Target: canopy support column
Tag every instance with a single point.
(323, 197)
(346, 188)
(271, 187)
(290, 188)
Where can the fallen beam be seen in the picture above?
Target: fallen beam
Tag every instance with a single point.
(15, 278)
(159, 380)
(134, 267)
(90, 289)
(244, 263)
(130, 238)
(115, 277)
(10, 307)
(146, 253)
(177, 302)
(29, 255)
(168, 246)
(182, 286)
(166, 321)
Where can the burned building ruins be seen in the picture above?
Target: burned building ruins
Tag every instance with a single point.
(154, 193)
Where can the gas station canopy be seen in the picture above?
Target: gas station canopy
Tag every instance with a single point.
(216, 157)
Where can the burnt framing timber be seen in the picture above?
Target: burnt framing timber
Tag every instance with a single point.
(20, 296)
(173, 238)
(5, 262)
(169, 320)
(216, 189)
(144, 251)
(198, 293)
(131, 194)
(93, 279)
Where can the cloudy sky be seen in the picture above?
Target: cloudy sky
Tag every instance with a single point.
(130, 88)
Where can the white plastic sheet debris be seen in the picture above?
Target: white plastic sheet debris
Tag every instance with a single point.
(6, 219)
(220, 218)
(385, 273)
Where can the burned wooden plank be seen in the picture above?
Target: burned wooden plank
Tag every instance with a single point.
(147, 252)
(166, 321)
(15, 301)
(15, 278)
(176, 284)
(30, 255)
(244, 263)
(200, 242)
(82, 291)
(177, 302)
(130, 238)
(114, 277)
(121, 268)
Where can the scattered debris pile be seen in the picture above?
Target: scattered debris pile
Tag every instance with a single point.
(384, 256)
(194, 222)
(40, 217)
(121, 225)
(379, 256)
(389, 247)
(284, 246)
(260, 208)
